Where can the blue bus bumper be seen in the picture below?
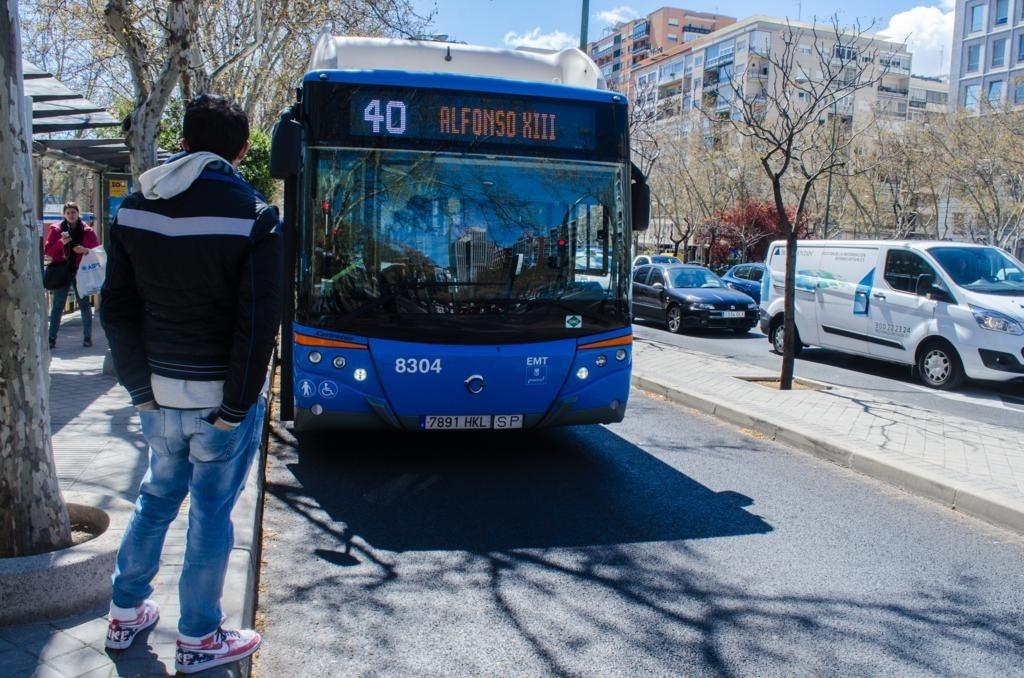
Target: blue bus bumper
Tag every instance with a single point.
(347, 382)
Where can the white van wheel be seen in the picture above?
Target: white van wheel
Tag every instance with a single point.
(778, 337)
(939, 366)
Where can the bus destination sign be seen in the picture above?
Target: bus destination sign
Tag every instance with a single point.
(467, 119)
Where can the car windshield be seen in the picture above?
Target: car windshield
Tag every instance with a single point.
(694, 277)
(665, 260)
(988, 270)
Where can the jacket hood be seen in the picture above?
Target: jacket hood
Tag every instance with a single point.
(174, 177)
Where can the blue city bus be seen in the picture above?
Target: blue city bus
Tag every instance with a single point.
(457, 244)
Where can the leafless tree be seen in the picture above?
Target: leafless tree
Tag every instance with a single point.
(33, 516)
(780, 118)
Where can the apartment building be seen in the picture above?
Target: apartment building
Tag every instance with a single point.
(716, 70)
(928, 96)
(988, 53)
(629, 44)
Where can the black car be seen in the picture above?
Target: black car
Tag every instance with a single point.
(690, 297)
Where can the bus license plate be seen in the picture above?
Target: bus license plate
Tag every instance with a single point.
(734, 314)
(471, 422)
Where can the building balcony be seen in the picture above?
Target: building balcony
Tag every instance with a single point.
(893, 91)
(690, 28)
(720, 60)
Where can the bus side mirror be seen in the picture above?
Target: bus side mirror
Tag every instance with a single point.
(640, 197)
(286, 147)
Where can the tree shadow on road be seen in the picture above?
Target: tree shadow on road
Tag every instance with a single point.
(586, 555)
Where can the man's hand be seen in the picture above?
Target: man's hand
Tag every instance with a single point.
(147, 407)
(78, 249)
(222, 425)
(65, 237)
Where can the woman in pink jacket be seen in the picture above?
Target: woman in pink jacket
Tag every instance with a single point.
(70, 238)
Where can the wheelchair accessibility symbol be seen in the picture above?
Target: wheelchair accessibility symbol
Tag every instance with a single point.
(328, 389)
(307, 389)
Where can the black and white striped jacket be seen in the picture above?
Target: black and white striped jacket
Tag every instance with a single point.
(193, 288)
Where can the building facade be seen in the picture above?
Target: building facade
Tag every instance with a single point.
(630, 44)
(988, 54)
(731, 64)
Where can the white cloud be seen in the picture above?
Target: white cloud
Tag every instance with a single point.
(610, 17)
(928, 31)
(554, 40)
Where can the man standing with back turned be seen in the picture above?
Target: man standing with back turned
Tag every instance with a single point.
(191, 306)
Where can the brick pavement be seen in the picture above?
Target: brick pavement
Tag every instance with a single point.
(98, 448)
(975, 467)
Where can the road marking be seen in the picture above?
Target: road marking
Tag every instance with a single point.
(979, 398)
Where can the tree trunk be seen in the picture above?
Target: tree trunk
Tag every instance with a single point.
(33, 516)
(789, 311)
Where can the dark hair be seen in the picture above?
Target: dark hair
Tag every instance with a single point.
(70, 206)
(216, 124)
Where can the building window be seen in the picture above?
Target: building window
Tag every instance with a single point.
(971, 97)
(998, 53)
(977, 19)
(801, 96)
(672, 37)
(973, 58)
(1002, 12)
(844, 53)
(1020, 48)
(995, 92)
(673, 22)
(805, 49)
(1018, 91)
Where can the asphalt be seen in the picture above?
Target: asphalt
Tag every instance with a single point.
(1002, 405)
(669, 544)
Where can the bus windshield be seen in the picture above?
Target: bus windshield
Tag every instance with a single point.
(460, 247)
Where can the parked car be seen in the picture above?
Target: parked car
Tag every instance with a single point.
(644, 259)
(690, 297)
(951, 310)
(746, 278)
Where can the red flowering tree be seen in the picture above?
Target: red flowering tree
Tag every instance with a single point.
(747, 229)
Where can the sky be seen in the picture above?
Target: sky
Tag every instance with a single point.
(927, 29)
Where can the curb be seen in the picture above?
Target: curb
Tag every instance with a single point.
(241, 582)
(990, 504)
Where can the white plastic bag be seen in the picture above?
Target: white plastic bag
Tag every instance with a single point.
(91, 271)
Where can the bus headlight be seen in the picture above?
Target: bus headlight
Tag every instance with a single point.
(338, 362)
(315, 357)
(620, 355)
(582, 373)
(359, 374)
(601, 361)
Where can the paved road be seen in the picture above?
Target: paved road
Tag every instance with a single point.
(992, 403)
(665, 545)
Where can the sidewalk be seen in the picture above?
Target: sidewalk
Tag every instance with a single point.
(98, 448)
(969, 466)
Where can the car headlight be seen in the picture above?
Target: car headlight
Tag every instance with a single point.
(996, 321)
(751, 306)
(701, 306)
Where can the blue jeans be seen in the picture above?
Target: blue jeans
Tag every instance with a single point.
(60, 297)
(187, 454)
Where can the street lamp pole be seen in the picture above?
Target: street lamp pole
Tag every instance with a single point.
(583, 25)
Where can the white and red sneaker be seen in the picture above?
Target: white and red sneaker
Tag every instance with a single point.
(128, 622)
(214, 649)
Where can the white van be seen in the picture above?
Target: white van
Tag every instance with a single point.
(949, 309)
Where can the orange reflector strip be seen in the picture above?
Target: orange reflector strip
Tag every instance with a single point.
(617, 341)
(306, 340)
